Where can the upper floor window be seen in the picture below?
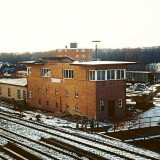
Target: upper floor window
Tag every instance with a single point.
(102, 75)
(28, 70)
(68, 73)
(83, 56)
(45, 72)
(76, 94)
(56, 91)
(47, 90)
(76, 50)
(19, 93)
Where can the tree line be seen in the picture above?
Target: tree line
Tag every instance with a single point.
(143, 56)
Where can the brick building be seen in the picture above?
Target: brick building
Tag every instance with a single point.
(79, 54)
(95, 89)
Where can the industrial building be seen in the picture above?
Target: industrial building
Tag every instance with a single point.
(95, 89)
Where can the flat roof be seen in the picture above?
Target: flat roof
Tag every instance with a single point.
(103, 63)
(14, 81)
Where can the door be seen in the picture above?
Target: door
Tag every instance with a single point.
(111, 109)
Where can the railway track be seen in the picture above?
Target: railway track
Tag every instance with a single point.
(90, 146)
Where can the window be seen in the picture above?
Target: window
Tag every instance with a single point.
(76, 50)
(47, 103)
(100, 75)
(18, 94)
(0, 90)
(101, 105)
(92, 75)
(68, 73)
(83, 56)
(112, 74)
(28, 70)
(45, 72)
(76, 94)
(47, 90)
(76, 55)
(24, 95)
(9, 92)
(67, 107)
(56, 104)
(56, 91)
(120, 103)
(67, 94)
(30, 94)
(40, 101)
(76, 108)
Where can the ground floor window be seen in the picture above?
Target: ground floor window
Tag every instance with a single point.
(101, 105)
(9, 92)
(120, 103)
(18, 93)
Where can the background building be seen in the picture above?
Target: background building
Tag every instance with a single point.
(13, 88)
(79, 54)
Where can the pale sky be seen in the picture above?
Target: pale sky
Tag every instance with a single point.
(42, 25)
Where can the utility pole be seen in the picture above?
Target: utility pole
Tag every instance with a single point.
(96, 47)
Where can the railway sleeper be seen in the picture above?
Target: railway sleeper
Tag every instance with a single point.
(72, 148)
(20, 153)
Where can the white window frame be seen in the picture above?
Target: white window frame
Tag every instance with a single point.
(120, 103)
(68, 73)
(110, 74)
(76, 94)
(29, 71)
(45, 72)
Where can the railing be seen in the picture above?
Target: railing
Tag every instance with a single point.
(136, 123)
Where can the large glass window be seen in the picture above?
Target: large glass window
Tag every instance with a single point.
(45, 72)
(68, 73)
(102, 75)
